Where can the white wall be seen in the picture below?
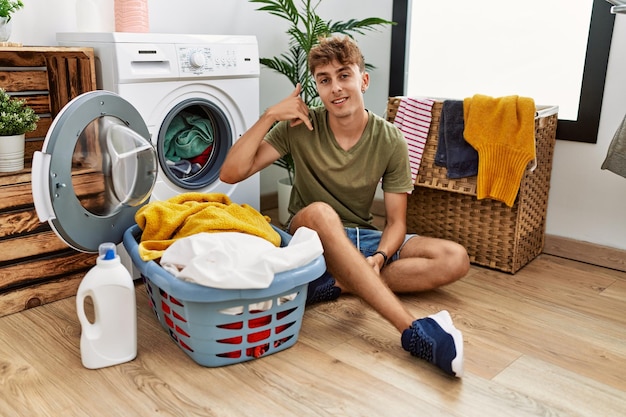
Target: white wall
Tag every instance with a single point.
(585, 202)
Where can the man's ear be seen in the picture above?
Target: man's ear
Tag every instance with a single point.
(365, 81)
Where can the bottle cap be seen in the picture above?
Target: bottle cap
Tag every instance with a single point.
(107, 251)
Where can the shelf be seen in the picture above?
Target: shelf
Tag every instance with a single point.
(35, 265)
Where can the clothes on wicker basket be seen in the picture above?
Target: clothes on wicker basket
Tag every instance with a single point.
(453, 152)
(413, 118)
(502, 130)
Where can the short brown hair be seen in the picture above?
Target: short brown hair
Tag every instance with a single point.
(336, 48)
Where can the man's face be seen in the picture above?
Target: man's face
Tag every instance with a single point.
(341, 87)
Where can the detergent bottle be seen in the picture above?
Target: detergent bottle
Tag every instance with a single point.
(111, 338)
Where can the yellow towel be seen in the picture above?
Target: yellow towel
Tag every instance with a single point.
(186, 214)
(502, 130)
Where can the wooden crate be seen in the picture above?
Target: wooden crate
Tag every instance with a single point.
(36, 267)
(495, 235)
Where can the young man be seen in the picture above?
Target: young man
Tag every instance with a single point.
(341, 151)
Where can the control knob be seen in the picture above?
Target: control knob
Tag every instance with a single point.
(197, 59)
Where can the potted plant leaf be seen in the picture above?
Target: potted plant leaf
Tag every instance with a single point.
(7, 7)
(16, 118)
(305, 29)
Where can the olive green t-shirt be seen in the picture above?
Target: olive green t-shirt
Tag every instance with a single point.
(346, 180)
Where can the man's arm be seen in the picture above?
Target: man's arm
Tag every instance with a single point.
(251, 153)
(395, 227)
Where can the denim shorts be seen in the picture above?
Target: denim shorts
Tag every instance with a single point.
(367, 240)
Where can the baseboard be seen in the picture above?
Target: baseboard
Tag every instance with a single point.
(587, 252)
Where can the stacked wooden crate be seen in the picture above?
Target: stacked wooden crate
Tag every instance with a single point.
(36, 267)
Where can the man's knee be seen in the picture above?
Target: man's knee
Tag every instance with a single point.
(317, 215)
(458, 260)
(452, 258)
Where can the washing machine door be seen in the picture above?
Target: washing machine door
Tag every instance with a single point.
(97, 167)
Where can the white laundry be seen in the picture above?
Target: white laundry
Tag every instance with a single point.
(233, 260)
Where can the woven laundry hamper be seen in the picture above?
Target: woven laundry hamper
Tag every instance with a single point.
(495, 235)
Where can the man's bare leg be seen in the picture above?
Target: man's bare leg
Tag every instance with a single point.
(348, 266)
(425, 264)
(433, 338)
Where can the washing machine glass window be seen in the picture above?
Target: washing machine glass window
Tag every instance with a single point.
(193, 142)
(117, 160)
(88, 181)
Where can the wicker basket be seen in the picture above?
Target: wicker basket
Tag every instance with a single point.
(495, 235)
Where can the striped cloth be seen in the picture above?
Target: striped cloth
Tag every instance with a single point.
(413, 118)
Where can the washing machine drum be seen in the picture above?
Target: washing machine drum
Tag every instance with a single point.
(97, 167)
(192, 144)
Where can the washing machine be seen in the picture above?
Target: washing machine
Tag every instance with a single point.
(197, 95)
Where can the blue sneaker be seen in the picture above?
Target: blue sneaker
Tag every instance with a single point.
(435, 339)
(322, 289)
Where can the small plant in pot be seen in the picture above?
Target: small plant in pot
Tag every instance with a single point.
(7, 7)
(16, 119)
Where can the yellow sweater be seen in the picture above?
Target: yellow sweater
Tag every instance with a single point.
(502, 130)
(186, 214)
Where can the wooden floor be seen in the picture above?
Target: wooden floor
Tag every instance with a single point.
(547, 341)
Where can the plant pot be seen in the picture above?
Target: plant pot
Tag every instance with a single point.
(5, 29)
(284, 194)
(12, 153)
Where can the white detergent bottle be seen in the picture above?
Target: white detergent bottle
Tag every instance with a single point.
(111, 338)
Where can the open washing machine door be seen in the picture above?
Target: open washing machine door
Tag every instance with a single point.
(97, 167)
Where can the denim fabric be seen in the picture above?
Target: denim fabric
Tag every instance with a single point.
(367, 240)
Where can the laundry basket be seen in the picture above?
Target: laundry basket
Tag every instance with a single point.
(217, 327)
(494, 235)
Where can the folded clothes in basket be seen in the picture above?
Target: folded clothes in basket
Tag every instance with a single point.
(164, 222)
(238, 260)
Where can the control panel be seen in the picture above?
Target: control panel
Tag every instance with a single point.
(216, 60)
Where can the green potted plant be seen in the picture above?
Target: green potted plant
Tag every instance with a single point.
(7, 7)
(16, 118)
(305, 29)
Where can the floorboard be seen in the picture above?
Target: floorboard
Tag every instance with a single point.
(547, 341)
